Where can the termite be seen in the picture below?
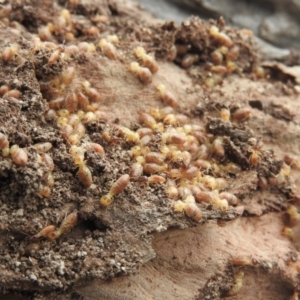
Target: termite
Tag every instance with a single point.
(108, 49)
(193, 211)
(67, 224)
(142, 73)
(85, 175)
(136, 171)
(55, 55)
(18, 155)
(237, 285)
(42, 147)
(46, 232)
(148, 60)
(115, 189)
(167, 97)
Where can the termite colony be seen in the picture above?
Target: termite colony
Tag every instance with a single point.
(221, 56)
(19, 157)
(190, 162)
(168, 149)
(178, 160)
(186, 158)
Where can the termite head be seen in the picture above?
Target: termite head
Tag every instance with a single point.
(179, 206)
(140, 52)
